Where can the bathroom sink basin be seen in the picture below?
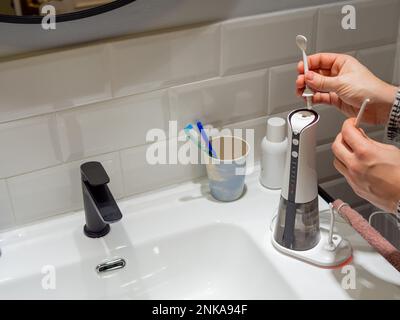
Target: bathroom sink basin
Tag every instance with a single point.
(218, 261)
(179, 243)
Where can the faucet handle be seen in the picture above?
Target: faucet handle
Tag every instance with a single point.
(94, 174)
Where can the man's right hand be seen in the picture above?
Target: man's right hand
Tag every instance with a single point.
(342, 81)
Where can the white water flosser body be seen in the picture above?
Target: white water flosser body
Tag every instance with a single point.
(297, 227)
(297, 231)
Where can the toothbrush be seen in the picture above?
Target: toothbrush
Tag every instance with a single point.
(301, 42)
(211, 151)
(190, 133)
(361, 112)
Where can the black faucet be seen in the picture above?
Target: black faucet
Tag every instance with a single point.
(100, 206)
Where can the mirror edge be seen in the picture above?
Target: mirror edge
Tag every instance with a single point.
(67, 16)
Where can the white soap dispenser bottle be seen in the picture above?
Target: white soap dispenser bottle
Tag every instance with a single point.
(273, 153)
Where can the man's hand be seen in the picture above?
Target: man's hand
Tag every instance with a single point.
(371, 168)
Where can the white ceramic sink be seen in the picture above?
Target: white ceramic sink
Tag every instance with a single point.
(180, 243)
(212, 262)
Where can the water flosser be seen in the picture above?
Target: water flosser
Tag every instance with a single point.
(297, 226)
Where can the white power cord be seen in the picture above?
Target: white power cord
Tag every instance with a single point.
(383, 212)
(373, 214)
(331, 245)
(331, 226)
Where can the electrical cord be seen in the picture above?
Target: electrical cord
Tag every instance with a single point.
(383, 212)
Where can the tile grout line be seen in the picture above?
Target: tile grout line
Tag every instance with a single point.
(315, 27)
(267, 90)
(221, 39)
(122, 175)
(11, 201)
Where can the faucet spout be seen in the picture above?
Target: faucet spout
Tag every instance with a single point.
(100, 206)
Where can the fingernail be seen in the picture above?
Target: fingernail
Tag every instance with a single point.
(310, 75)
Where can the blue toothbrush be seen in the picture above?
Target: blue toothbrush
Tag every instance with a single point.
(211, 151)
(192, 135)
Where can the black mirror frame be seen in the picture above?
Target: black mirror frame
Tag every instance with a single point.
(67, 16)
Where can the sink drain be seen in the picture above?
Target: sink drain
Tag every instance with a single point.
(111, 265)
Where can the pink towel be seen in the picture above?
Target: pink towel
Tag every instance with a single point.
(373, 237)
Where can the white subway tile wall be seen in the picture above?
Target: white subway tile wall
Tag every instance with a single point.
(140, 176)
(265, 40)
(376, 24)
(54, 81)
(282, 89)
(6, 213)
(112, 125)
(97, 102)
(28, 145)
(380, 60)
(221, 101)
(153, 62)
(259, 125)
(44, 193)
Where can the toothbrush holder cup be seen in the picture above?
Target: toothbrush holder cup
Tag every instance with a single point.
(226, 174)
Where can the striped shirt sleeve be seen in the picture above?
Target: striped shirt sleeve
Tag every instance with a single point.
(393, 126)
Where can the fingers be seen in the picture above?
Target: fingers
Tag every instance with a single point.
(301, 81)
(321, 66)
(341, 150)
(319, 61)
(354, 138)
(322, 83)
(340, 167)
(326, 73)
(326, 98)
(344, 171)
(300, 84)
(317, 82)
(319, 97)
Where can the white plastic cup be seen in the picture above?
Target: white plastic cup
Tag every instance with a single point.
(226, 174)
